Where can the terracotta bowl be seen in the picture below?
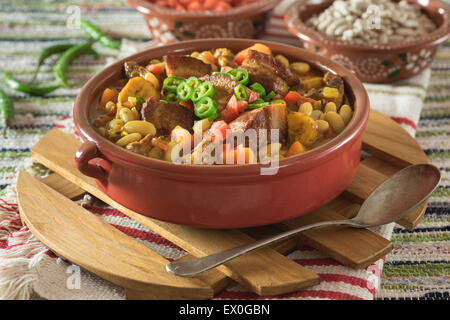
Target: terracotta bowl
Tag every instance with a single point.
(168, 25)
(371, 62)
(221, 196)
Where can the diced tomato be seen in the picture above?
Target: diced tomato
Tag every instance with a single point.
(172, 3)
(220, 130)
(209, 4)
(252, 96)
(242, 105)
(231, 111)
(195, 6)
(222, 6)
(292, 97)
(180, 7)
(154, 68)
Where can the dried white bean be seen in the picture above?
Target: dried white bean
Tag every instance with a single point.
(373, 21)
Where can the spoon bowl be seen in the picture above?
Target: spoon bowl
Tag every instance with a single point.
(399, 195)
(391, 200)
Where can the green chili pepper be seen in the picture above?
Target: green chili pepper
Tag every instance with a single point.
(240, 92)
(214, 116)
(171, 83)
(205, 108)
(215, 73)
(6, 110)
(206, 89)
(257, 104)
(277, 101)
(26, 88)
(258, 88)
(67, 57)
(98, 36)
(49, 51)
(193, 82)
(171, 98)
(239, 75)
(269, 96)
(184, 91)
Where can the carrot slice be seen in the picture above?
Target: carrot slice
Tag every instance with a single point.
(257, 47)
(292, 97)
(108, 95)
(295, 148)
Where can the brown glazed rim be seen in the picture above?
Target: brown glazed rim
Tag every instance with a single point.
(305, 33)
(255, 8)
(91, 90)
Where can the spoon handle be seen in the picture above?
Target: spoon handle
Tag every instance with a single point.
(194, 267)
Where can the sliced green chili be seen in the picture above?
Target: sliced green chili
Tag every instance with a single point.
(205, 89)
(239, 75)
(193, 82)
(66, 58)
(216, 73)
(171, 83)
(26, 88)
(184, 91)
(257, 104)
(214, 116)
(171, 98)
(205, 108)
(6, 110)
(269, 96)
(240, 91)
(98, 36)
(258, 88)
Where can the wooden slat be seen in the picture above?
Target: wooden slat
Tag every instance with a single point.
(69, 190)
(279, 275)
(356, 248)
(388, 141)
(81, 237)
(213, 278)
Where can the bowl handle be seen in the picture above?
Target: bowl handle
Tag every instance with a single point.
(90, 162)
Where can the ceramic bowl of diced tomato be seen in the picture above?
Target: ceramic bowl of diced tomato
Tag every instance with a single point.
(170, 21)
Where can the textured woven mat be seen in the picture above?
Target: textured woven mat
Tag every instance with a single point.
(416, 269)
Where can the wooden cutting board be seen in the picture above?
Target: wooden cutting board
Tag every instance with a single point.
(266, 271)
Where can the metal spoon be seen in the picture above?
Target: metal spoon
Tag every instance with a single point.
(394, 198)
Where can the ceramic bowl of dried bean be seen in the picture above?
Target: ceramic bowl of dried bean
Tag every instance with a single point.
(380, 40)
(170, 21)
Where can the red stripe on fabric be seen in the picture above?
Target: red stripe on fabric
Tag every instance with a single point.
(299, 294)
(3, 243)
(58, 126)
(278, 16)
(406, 121)
(279, 35)
(51, 254)
(7, 203)
(317, 262)
(106, 211)
(147, 236)
(20, 244)
(355, 281)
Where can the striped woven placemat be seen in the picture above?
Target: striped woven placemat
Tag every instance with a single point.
(416, 269)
